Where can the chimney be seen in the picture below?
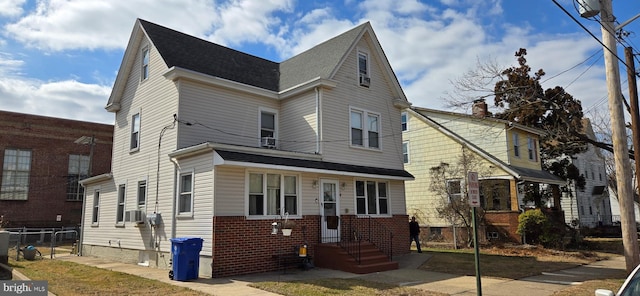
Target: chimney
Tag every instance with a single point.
(479, 108)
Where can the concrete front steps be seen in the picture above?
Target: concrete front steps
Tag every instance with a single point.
(332, 256)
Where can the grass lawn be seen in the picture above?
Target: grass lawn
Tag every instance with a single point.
(66, 278)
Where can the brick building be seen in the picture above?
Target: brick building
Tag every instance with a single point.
(42, 160)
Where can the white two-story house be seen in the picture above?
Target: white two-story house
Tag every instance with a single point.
(217, 144)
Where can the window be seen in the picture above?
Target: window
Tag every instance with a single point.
(145, 64)
(405, 151)
(454, 189)
(120, 206)
(372, 198)
(135, 132)
(268, 121)
(96, 207)
(78, 170)
(363, 63)
(404, 117)
(142, 194)
(516, 145)
(533, 149)
(15, 174)
(275, 197)
(360, 128)
(185, 196)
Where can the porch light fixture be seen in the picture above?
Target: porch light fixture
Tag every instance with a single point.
(343, 185)
(315, 184)
(274, 228)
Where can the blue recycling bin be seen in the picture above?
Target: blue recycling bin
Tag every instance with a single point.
(186, 257)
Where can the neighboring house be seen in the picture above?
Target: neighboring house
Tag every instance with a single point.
(43, 160)
(218, 144)
(589, 207)
(505, 155)
(615, 208)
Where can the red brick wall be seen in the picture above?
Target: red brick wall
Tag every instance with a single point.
(242, 246)
(505, 223)
(50, 140)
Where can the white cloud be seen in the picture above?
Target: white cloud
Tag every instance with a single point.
(11, 7)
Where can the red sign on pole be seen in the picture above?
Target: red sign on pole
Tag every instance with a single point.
(474, 189)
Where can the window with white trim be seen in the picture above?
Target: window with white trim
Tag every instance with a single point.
(273, 194)
(185, 194)
(365, 129)
(516, 145)
(404, 119)
(78, 169)
(268, 125)
(532, 148)
(372, 198)
(145, 64)
(363, 63)
(135, 132)
(121, 202)
(142, 194)
(405, 152)
(454, 189)
(15, 174)
(96, 207)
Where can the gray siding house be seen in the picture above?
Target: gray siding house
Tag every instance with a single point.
(214, 143)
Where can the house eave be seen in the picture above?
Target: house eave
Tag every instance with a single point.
(177, 73)
(306, 86)
(95, 179)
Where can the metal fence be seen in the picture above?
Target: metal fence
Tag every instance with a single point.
(44, 237)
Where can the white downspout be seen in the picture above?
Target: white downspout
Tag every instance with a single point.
(318, 121)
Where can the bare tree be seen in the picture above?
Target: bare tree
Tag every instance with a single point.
(448, 182)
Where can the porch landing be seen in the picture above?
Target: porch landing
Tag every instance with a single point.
(332, 256)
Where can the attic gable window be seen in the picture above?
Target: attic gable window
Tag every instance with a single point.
(268, 122)
(404, 118)
(516, 145)
(364, 78)
(145, 64)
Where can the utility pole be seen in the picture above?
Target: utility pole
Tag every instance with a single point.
(619, 138)
(635, 114)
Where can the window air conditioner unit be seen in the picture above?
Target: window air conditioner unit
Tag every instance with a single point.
(135, 216)
(269, 142)
(365, 80)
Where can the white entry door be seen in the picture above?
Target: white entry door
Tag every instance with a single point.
(329, 210)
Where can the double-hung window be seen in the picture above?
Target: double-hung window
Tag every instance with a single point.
(121, 202)
(142, 194)
(15, 174)
(516, 145)
(372, 198)
(273, 194)
(404, 118)
(145, 64)
(405, 152)
(363, 63)
(365, 129)
(78, 169)
(185, 194)
(135, 132)
(532, 148)
(268, 127)
(96, 207)
(454, 189)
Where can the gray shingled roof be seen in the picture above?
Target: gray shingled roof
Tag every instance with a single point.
(188, 52)
(312, 164)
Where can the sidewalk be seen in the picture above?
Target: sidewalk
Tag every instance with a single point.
(406, 275)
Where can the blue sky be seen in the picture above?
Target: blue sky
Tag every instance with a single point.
(60, 57)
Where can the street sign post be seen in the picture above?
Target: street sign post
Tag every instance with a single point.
(474, 189)
(473, 194)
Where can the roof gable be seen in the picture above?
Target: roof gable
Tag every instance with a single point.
(179, 50)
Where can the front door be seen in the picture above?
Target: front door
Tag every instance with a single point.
(329, 210)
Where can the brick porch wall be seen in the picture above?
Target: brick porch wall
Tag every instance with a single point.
(505, 223)
(242, 246)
